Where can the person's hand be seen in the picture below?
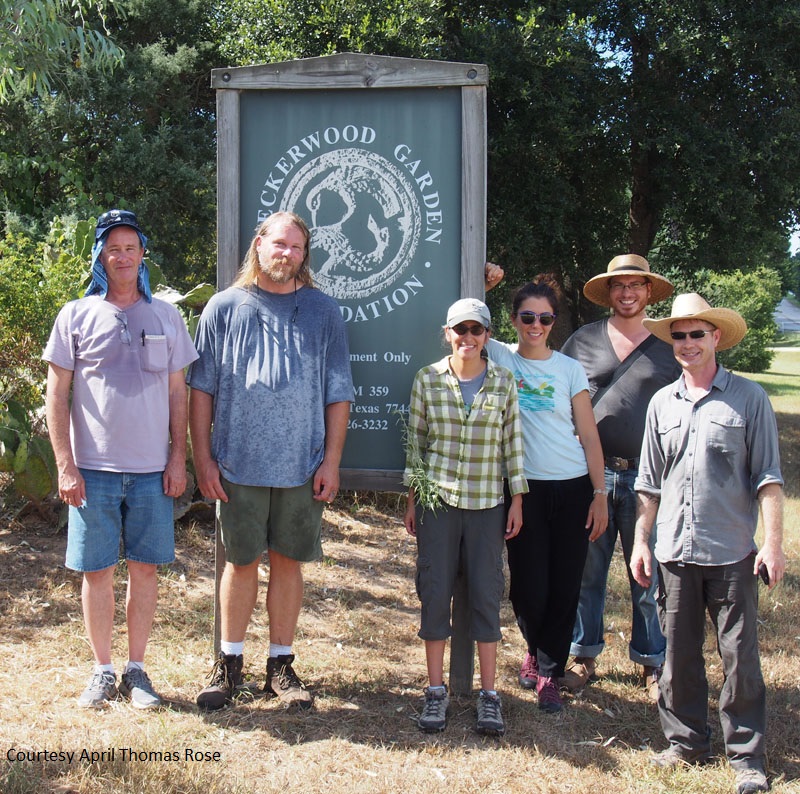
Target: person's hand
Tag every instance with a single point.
(208, 480)
(642, 564)
(492, 275)
(71, 486)
(174, 478)
(410, 517)
(514, 520)
(775, 560)
(326, 482)
(597, 519)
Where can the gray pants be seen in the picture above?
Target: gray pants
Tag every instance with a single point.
(453, 538)
(730, 594)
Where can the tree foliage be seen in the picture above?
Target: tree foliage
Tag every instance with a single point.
(140, 138)
(754, 295)
(663, 128)
(40, 40)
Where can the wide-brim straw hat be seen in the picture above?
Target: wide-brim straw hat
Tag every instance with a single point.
(691, 306)
(596, 288)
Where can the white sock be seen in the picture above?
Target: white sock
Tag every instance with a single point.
(232, 648)
(134, 666)
(279, 650)
(104, 668)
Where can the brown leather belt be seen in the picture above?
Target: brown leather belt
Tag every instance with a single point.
(622, 464)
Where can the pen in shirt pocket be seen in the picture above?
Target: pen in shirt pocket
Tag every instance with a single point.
(143, 336)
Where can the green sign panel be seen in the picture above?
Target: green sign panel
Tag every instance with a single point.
(377, 175)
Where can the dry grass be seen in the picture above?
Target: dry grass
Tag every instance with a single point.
(357, 646)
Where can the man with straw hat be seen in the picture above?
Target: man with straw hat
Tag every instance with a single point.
(626, 366)
(709, 460)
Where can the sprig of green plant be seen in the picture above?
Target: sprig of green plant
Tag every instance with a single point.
(426, 491)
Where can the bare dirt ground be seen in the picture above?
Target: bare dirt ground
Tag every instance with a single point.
(357, 648)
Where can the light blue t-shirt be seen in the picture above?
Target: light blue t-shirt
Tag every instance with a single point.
(272, 362)
(545, 390)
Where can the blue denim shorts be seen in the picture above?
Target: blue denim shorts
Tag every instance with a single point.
(130, 507)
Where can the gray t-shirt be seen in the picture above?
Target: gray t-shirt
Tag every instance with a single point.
(620, 415)
(121, 361)
(272, 362)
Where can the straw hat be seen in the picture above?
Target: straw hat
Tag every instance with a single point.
(692, 306)
(596, 288)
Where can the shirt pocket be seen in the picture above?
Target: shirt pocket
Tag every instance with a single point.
(440, 404)
(726, 433)
(154, 353)
(490, 403)
(669, 433)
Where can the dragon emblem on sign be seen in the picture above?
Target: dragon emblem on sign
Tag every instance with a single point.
(365, 220)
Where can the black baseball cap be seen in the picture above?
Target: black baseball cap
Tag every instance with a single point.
(113, 218)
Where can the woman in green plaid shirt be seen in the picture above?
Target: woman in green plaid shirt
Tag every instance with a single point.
(463, 436)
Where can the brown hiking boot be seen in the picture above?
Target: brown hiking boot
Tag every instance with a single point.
(282, 681)
(579, 673)
(225, 676)
(675, 756)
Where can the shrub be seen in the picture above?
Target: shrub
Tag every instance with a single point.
(754, 295)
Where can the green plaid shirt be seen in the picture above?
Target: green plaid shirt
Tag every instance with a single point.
(466, 455)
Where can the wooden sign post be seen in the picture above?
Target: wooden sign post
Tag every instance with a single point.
(385, 159)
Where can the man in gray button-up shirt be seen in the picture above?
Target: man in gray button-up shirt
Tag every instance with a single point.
(709, 461)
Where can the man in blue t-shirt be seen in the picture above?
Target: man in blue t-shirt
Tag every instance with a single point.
(269, 404)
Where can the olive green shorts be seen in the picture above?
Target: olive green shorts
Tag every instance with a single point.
(255, 518)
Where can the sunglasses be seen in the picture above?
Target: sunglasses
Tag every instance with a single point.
(545, 318)
(476, 330)
(124, 333)
(679, 335)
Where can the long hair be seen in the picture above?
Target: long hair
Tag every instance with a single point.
(250, 269)
(544, 286)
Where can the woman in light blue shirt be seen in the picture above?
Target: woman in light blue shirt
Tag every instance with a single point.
(566, 505)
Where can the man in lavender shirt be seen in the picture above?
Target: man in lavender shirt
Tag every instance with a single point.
(119, 443)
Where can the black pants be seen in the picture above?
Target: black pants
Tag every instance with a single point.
(546, 563)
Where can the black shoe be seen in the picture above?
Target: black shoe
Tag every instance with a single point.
(282, 681)
(225, 676)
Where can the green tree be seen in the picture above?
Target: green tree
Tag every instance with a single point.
(665, 128)
(710, 112)
(142, 138)
(754, 294)
(40, 40)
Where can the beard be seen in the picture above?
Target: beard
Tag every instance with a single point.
(281, 271)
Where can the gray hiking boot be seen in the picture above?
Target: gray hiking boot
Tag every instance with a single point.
(225, 676)
(490, 717)
(283, 682)
(434, 713)
(101, 690)
(136, 686)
